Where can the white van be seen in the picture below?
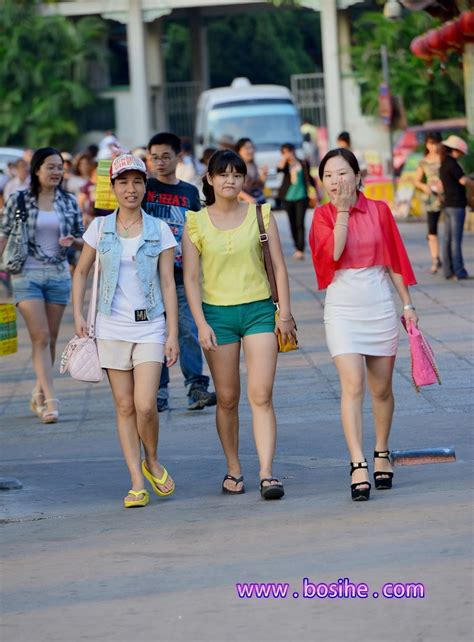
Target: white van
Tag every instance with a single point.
(267, 114)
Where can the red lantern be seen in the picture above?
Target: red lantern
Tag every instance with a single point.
(452, 35)
(419, 48)
(435, 43)
(466, 21)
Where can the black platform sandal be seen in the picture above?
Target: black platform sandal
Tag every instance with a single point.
(360, 494)
(382, 481)
(272, 491)
(236, 480)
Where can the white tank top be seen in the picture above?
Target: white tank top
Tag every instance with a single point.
(46, 236)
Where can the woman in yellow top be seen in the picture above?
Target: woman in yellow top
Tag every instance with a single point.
(231, 306)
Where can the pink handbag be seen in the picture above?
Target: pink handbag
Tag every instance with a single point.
(424, 370)
(80, 356)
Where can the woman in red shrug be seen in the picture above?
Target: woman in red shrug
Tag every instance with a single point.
(356, 246)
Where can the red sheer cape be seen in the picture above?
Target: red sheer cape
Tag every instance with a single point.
(373, 239)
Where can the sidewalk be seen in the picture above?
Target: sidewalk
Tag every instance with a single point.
(77, 566)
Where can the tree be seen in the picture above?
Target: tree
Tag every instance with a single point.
(426, 95)
(265, 46)
(43, 74)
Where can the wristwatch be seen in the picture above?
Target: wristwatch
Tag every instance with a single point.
(409, 306)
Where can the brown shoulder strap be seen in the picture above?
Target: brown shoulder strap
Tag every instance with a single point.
(266, 255)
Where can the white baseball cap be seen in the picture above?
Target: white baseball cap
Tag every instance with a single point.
(126, 163)
(454, 142)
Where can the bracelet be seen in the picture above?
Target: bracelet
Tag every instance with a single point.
(343, 211)
(409, 306)
(344, 224)
(290, 319)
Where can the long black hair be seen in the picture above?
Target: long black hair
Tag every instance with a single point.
(37, 160)
(218, 163)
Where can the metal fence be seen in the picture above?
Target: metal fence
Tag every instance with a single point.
(180, 99)
(308, 90)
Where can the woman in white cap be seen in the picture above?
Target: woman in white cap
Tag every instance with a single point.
(454, 186)
(136, 253)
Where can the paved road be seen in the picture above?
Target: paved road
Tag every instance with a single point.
(77, 566)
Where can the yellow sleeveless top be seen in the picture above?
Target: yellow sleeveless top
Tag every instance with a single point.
(233, 271)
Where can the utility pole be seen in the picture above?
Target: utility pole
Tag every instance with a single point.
(386, 111)
(332, 71)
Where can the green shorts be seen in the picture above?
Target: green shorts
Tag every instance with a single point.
(232, 322)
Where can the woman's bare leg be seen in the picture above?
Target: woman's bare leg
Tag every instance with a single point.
(351, 370)
(35, 313)
(122, 384)
(261, 351)
(54, 314)
(146, 380)
(379, 380)
(224, 367)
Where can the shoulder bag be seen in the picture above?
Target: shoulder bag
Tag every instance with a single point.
(16, 249)
(80, 356)
(283, 346)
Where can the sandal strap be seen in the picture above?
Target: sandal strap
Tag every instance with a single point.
(270, 480)
(160, 481)
(48, 400)
(237, 480)
(380, 474)
(357, 484)
(136, 493)
(358, 464)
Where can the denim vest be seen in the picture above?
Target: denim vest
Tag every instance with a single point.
(148, 252)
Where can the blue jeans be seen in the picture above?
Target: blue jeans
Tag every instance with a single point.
(453, 262)
(50, 283)
(190, 354)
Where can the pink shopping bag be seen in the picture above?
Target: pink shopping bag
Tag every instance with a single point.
(424, 370)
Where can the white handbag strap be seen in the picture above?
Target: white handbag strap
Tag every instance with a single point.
(91, 314)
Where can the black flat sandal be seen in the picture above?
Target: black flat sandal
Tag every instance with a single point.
(272, 491)
(236, 480)
(360, 494)
(382, 481)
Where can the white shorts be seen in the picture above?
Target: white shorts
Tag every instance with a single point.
(125, 355)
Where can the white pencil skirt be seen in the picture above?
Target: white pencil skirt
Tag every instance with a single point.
(359, 313)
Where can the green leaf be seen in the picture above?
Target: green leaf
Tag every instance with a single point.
(425, 98)
(43, 64)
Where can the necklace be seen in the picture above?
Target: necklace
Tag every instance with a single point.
(125, 229)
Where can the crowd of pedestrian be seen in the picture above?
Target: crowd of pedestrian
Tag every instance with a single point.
(182, 275)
